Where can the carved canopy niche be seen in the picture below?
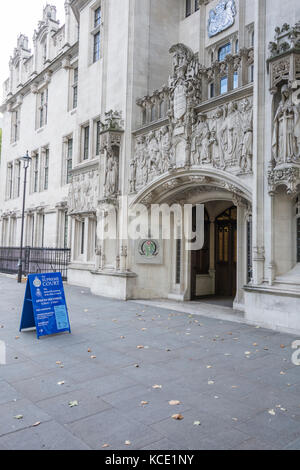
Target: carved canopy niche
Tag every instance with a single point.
(284, 69)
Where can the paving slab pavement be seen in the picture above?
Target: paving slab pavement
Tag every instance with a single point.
(237, 380)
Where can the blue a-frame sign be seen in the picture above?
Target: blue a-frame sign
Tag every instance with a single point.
(45, 305)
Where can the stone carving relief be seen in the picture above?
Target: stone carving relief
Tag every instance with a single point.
(153, 156)
(221, 138)
(184, 83)
(222, 17)
(83, 192)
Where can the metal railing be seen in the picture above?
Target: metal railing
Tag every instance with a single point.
(35, 260)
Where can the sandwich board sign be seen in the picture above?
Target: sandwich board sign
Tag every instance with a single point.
(45, 305)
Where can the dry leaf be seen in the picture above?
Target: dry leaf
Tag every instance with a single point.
(174, 402)
(36, 424)
(18, 417)
(58, 363)
(61, 383)
(272, 412)
(89, 350)
(210, 382)
(197, 423)
(140, 347)
(73, 403)
(282, 346)
(144, 403)
(157, 387)
(127, 443)
(178, 417)
(105, 446)
(93, 357)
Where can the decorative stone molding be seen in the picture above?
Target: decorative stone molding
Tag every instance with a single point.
(284, 60)
(287, 176)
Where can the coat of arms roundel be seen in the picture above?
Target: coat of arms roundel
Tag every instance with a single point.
(148, 248)
(221, 17)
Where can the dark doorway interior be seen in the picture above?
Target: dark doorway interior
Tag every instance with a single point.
(225, 258)
(226, 253)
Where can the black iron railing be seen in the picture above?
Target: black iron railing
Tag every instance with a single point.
(35, 260)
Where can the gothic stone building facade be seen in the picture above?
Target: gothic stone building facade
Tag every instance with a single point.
(162, 101)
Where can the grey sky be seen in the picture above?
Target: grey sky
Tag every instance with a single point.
(20, 16)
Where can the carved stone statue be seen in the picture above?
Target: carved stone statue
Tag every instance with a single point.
(111, 174)
(246, 144)
(286, 134)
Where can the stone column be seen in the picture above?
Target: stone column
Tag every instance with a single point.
(212, 253)
(258, 142)
(241, 269)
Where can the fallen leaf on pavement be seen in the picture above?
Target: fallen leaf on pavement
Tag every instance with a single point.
(36, 424)
(197, 423)
(157, 386)
(174, 402)
(18, 417)
(178, 417)
(73, 403)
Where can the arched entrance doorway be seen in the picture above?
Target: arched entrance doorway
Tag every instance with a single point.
(214, 267)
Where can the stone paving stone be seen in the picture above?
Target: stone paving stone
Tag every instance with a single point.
(114, 428)
(47, 436)
(14, 373)
(109, 388)
(88, 404)
(8, 392)
(45, 386)
(31, 415)
(164, 444)
(295, 445)
(187, 434)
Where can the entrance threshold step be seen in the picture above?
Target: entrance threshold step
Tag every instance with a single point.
(201, 308)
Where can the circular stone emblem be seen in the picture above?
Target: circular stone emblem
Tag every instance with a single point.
(149, 249)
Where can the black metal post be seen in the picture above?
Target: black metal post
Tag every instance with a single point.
(26, 160)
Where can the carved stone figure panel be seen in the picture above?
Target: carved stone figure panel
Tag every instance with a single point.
(83, 192)
(221, 138)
